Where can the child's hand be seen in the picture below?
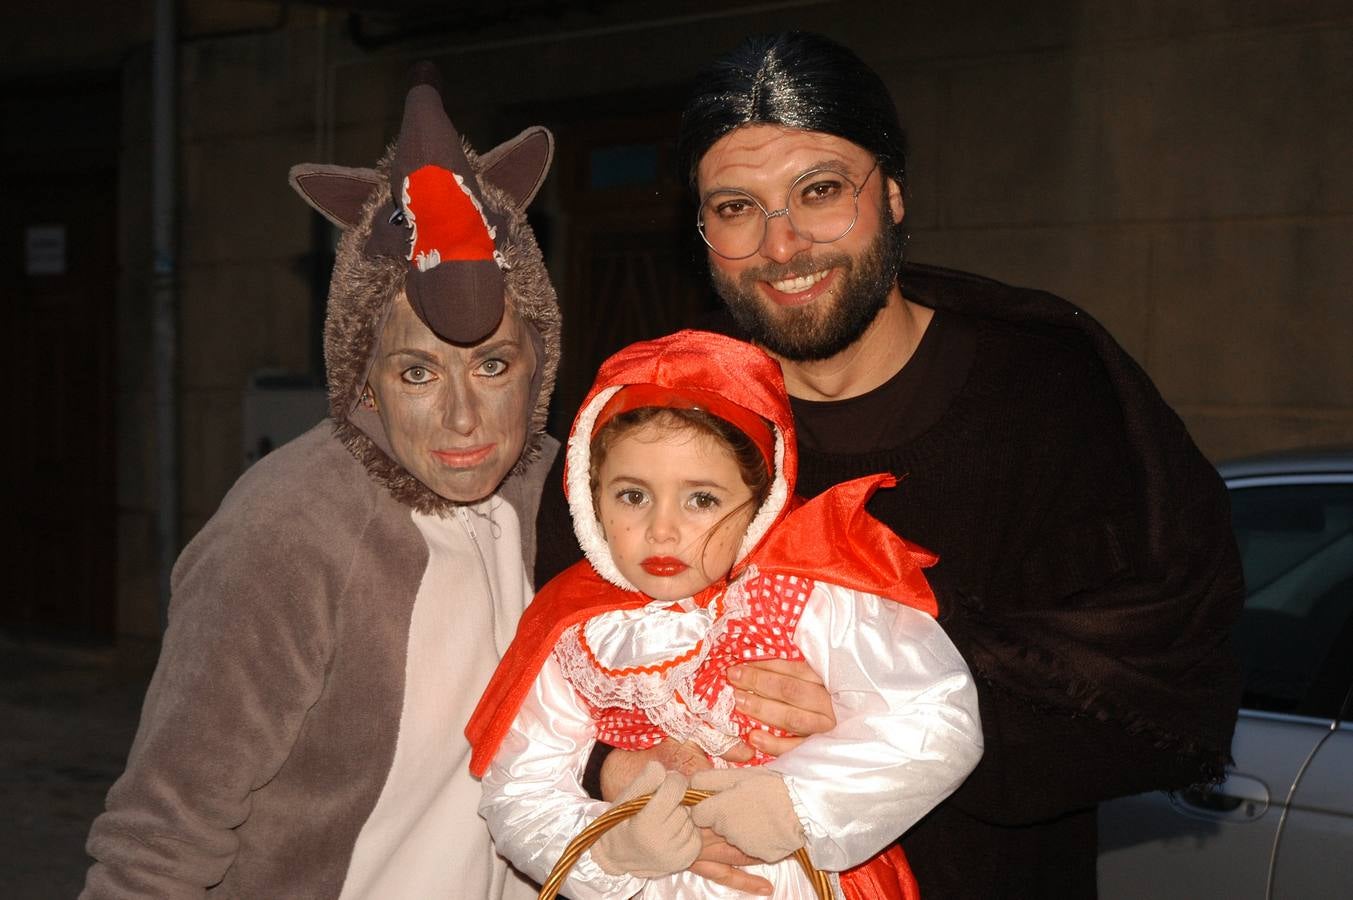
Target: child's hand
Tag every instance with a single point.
(657, 840)
(751, 810)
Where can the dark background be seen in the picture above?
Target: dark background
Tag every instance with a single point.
(1181, 170)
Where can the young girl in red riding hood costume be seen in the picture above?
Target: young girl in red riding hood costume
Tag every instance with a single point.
(680, 477)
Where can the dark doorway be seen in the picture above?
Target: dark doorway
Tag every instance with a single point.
(629, 271)
(58, 177)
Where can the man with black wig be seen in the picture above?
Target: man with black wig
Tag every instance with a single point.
(1087, 569)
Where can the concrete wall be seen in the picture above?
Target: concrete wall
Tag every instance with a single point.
(1187, 177)
(1180, 170)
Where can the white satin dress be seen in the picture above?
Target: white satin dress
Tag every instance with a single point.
(907, 732)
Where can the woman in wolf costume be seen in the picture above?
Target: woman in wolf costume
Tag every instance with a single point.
(334, 622)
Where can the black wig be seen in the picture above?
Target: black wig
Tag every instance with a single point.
(798, 80)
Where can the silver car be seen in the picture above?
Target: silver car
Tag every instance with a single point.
(1281, 824)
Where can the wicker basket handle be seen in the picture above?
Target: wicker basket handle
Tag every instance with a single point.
(617, 814)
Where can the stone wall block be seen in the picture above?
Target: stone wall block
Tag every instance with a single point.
(1019, 143)
(1229, 434)
(1255, 314)
(236, 204)
(916, 94)
(1239, 124)
(249, 85)
(240, 318)
(1134, 20)
(1101, 270)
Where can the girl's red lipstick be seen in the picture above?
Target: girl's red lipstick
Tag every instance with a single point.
(663, 566)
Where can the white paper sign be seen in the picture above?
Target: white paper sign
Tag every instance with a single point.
(45, 249)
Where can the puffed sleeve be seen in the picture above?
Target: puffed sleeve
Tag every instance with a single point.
(533, 798)
(907, 732)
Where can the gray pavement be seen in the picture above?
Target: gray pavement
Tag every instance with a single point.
(68, 712)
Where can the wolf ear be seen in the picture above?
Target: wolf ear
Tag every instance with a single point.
(519, 165)
(336, 192)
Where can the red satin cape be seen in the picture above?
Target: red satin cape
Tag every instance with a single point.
(830, 538)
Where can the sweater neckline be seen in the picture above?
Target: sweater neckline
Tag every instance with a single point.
(979, 387)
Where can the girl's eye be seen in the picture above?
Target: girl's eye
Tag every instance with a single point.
(630, 497)
(416, 375)
(493, 367)
(703, 500)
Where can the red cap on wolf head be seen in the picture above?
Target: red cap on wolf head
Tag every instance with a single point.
(437, 220)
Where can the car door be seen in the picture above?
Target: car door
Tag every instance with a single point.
(1281, 825)
(1314, 856)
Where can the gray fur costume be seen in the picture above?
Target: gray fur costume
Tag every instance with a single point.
(332, 625)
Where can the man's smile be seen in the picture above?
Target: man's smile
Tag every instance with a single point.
(800, 290)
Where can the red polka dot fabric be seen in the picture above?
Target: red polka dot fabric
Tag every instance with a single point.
(765, 631)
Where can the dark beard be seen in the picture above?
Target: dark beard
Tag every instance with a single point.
(819, 330)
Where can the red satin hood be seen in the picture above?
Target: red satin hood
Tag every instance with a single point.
(739, 372)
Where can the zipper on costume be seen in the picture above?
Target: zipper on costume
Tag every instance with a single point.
(467, 523)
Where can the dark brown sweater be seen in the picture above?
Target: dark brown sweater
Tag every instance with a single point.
(1087, 573)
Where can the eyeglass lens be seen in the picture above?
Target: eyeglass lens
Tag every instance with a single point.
(822, 207)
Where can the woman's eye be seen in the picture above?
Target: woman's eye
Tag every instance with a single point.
(417, 375)
(493, 367)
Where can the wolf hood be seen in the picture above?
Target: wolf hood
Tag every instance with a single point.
(447, 228)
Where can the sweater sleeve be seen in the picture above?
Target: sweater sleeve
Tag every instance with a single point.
(533, 800)
(241, 662)
(1045, 764)
(907, 729)
(1106, 624)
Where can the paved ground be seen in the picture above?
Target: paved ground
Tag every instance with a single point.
(67, 715)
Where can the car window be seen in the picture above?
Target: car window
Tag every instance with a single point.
(1295, 637)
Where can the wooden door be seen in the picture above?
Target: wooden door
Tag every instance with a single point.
(60, 280)
(630, 271)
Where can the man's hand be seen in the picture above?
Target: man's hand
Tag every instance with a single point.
(623, 766)
(720, 863)
(786, 694)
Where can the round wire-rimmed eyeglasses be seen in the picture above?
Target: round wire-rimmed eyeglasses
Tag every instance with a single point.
(821, 205)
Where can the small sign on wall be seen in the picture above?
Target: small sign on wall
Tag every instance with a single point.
(45, 249)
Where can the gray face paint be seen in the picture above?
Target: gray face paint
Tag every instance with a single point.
(455, 416)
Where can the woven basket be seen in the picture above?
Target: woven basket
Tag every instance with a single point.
(617, 814)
